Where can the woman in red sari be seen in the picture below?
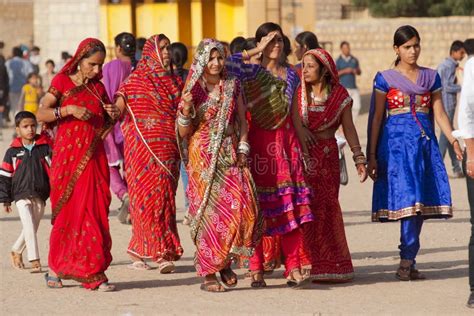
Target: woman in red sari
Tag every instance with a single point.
(324, 105)
(149, 98)
(77, 102)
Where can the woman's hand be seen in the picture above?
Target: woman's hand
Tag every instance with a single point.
(112, 110)
(266, 40)
(79, 112)
(362, 172)
(241, 160)
(457, 150)
(372, 169)
(308, 137)
(188, 103)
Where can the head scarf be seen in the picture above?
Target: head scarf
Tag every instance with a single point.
(152, 94)
(337, 100)
(201, 59)
(84, 47)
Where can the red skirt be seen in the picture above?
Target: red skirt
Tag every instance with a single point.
(324, 240)
(80, 242)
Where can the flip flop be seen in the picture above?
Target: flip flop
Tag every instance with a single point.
(139, 266)
(17, 260)
(53, 282)
(227, 275)
(207, 287)
(166, 267)
(106, 287)
(36, 267)
(257, 283)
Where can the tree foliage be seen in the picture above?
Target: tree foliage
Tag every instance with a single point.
(417, 8)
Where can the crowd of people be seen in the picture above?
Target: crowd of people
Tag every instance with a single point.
(253, 139)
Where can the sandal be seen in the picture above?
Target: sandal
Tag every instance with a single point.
(212, 286)
(416, 275)
(306, 271)
(17, 260)
(139, 266)
(106, 287)
(186, 221)
(403, 273)
(53, 282)
(269, 267)
(165, 266)
(257, 279)
(35, 267)
(295, 283)
(228, 277)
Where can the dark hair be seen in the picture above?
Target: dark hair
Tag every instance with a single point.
(140, 43)
(35, 49)
(2, 44)
(402, 35)
(30, 75)
(469, 46)
(286, 51)
(50, 61)
(307, 39)
(65, 55)
(179, 54)
(237, 45)
(266, 28)
(20, 116)
(126, 41)
(250, 43)
(99, 47)
(456, 46)
(16, 51)
(344, 43)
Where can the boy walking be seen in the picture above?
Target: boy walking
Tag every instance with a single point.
(24, 179)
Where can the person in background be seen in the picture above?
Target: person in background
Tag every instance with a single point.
(179, 57)
(4, 87)
(226, 48)
(237, 45)
(286, 51)
(466, 127)
(304, 41)
(31, 94)
(35, 59)
(65, 57)
(140, 43)
(48, 75)
(348, 68)
(18, 69)
(116, 72)
(447, 72)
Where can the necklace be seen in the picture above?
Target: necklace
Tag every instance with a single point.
(94, 93)
(215, 94)
(320, 99)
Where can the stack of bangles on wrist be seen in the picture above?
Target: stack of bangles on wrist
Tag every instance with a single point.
(57, 113)
(243, 148)
(245, 54)
(183, 120)
(359, 158)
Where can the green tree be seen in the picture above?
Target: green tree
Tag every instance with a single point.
(417, 8)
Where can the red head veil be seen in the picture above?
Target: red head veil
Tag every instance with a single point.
(84, 47)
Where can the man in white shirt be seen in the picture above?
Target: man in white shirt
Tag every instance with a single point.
(466, 127)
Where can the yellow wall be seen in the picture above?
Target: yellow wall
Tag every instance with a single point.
(114, 19)
(230, 19)
(155, 18)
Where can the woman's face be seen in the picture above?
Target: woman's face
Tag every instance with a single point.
(92, 65)
(299, 50)
(165, 54)
(409, 52)
(50, 67)
(275, 48)
(215, 64)
(311, 69)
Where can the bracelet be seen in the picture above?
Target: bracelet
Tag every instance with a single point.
(470, 160)
(245, 54)
(243, 148)
(454, 141)
(184, 121)
(57, 113)
(360, 160)
(357, 146)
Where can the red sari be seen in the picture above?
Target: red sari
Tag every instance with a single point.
(152, 95)
(80, 240)
(324, 239)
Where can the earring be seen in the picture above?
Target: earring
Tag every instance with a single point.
(78, 67)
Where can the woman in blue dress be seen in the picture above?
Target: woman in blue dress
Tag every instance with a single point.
(410, 180)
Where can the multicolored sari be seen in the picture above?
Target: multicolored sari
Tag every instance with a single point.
(324, 239)
(223, 203)
(80, 240)
(152, 94)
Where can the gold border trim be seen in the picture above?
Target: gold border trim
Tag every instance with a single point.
(417, 209)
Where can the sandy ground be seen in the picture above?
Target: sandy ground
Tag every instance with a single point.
(374, 291)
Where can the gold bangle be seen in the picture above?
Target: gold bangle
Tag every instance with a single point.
(245, 54)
